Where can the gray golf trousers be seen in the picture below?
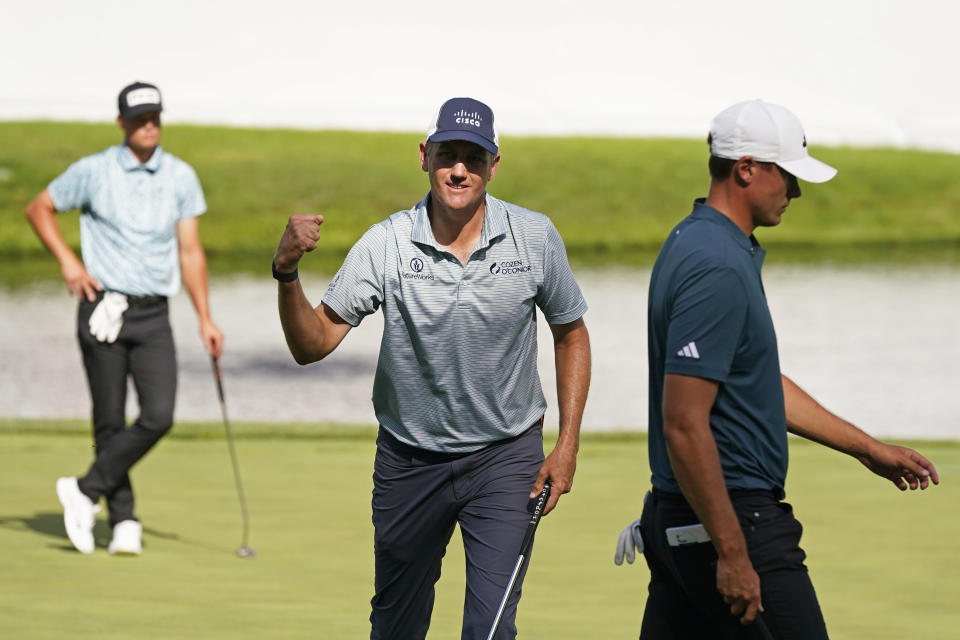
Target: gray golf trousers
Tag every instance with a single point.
(145, 351)
(418, 498)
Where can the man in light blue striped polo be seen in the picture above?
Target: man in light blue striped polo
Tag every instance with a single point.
(459, 278)
(138, 236)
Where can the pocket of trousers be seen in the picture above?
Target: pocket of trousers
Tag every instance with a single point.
(772, 534)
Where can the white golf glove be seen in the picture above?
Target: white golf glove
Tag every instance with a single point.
(629, 539)
(107, 317)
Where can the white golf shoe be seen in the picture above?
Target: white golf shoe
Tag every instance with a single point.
(78, 512)
(126, 538)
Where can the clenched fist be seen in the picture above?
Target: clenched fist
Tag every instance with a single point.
(300, 236)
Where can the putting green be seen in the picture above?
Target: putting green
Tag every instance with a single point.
(884, 563)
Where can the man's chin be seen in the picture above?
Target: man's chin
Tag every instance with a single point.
(461, 204)
(144, 146)
(774, 220)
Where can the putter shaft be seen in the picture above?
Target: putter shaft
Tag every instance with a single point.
(506, 596)
(244, 550)
(524, 552)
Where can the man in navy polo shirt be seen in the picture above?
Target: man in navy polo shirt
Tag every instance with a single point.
(720, 409)
(459, 278)
(138, 235)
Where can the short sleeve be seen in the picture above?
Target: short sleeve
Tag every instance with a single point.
(190, 200)
(71, 189)
(706, 322)
(559, 297)
(358, 288)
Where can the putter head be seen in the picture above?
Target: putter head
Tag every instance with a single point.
(246, 552)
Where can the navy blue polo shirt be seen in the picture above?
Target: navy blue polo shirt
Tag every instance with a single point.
(708, 317)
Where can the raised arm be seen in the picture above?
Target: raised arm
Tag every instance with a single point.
(311, 333)
(901, 465)
(41, 213)
(696, 464)
(571, 346)
(193, 269)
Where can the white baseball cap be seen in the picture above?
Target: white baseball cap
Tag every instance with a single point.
(768, 133)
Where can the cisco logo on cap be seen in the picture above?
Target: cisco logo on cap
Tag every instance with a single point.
(474, 118)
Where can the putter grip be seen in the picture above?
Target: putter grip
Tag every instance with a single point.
(535, 518)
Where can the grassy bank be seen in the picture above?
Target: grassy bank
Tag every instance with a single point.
(883, 562)
(613, 199)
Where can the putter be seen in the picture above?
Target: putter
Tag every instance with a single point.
(762, 628)
(524, 552)
(244, 551)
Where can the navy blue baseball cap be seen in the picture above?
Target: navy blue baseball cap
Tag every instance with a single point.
(465, 119)
(138, 98)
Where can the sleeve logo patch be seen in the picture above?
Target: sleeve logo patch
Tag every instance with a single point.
(689, 351)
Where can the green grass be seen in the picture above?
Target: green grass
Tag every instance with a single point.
(613, 200)
(884, 563)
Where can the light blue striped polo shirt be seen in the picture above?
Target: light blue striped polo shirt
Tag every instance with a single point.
(128, 216)
(458, 357)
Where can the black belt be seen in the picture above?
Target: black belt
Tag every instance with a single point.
(733, 493)
(141, 302)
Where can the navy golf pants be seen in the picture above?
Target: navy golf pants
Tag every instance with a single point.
(683, 601)
(418, 498)
(144, 350)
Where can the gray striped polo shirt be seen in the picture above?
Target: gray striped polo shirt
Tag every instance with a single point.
(458, 357)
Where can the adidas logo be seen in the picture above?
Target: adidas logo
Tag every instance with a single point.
(689, 351)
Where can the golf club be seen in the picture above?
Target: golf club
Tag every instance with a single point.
(762, 628)
(524, 552)
(244, 551)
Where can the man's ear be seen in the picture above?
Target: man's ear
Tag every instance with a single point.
(493, 167)
(423, 158)
(745, 170)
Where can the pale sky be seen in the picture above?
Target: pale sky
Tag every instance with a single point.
(876, 73)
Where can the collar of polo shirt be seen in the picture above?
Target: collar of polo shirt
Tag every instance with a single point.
(494, 222)
(129, 161)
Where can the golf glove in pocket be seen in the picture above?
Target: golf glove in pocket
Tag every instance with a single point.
(107, 317)
(629, 540)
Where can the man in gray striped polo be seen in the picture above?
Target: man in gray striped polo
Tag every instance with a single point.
(457, 394)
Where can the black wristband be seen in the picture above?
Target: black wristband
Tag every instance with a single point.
(283, 277)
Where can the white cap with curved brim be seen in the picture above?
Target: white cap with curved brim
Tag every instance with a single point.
(768, 133)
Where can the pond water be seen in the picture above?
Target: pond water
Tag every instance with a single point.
(878, 346)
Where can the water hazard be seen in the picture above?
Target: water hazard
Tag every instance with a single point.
(878, 346)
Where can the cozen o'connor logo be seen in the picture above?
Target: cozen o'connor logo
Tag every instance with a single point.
(417, 265)
(509, 267)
